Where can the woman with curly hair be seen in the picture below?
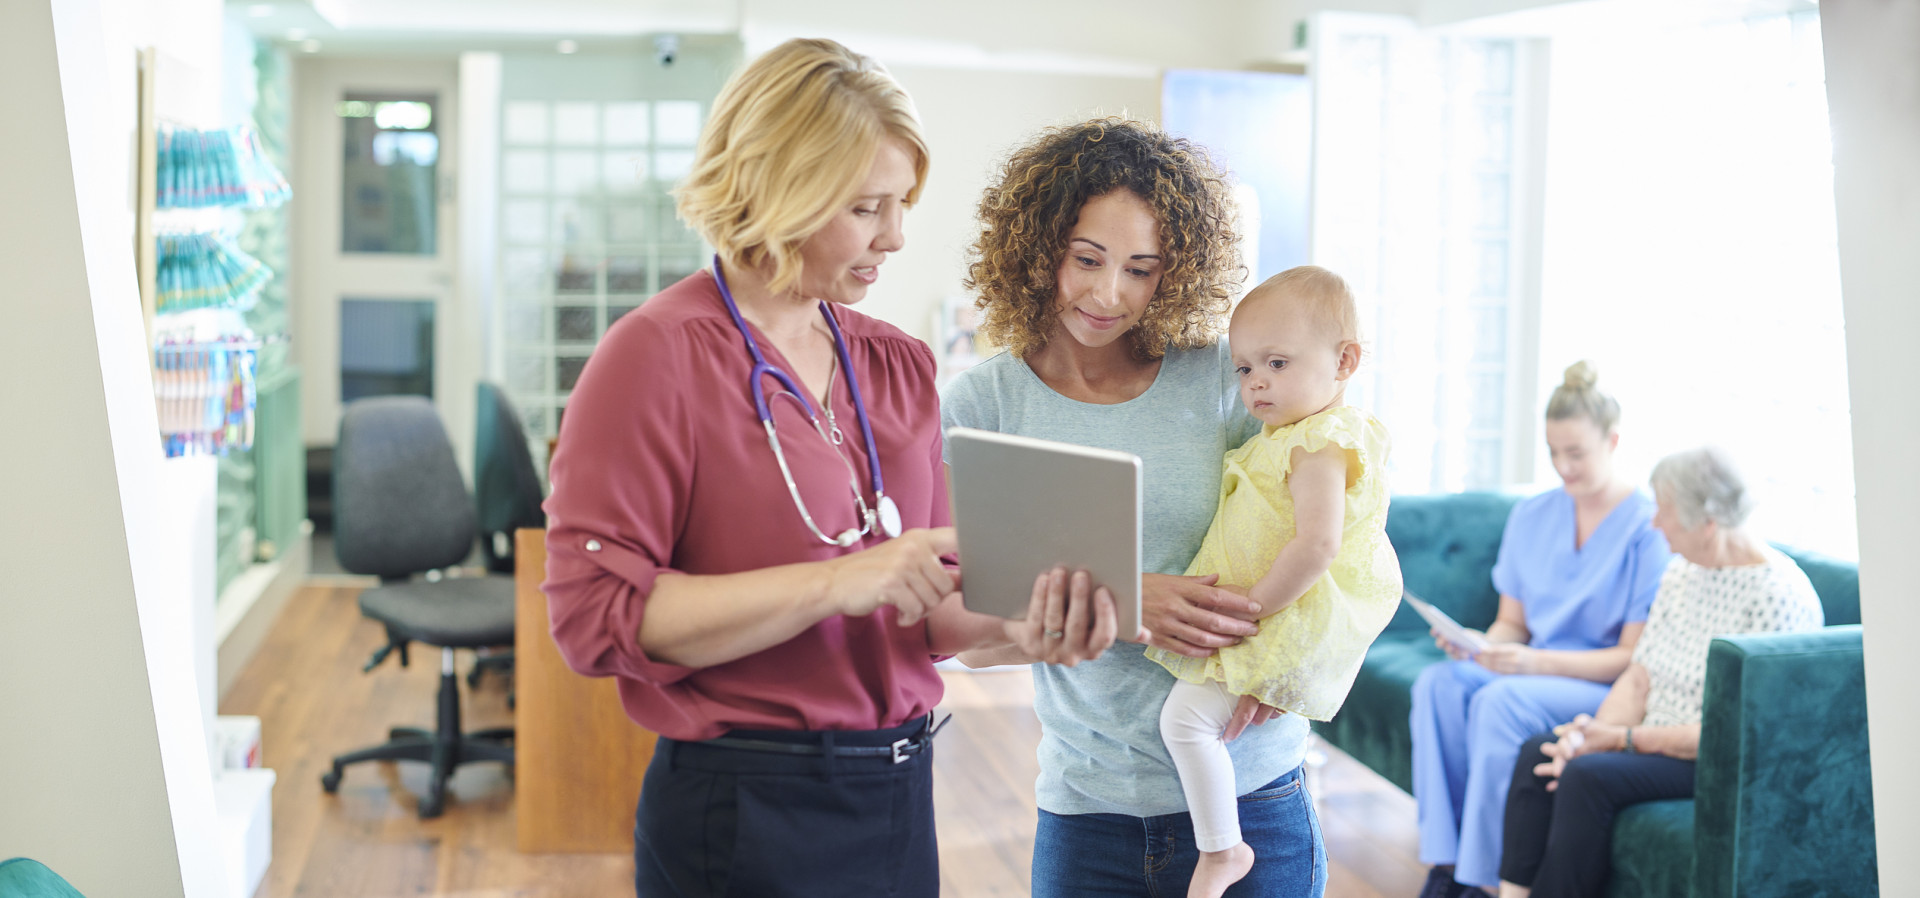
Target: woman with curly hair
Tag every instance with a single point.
(1105, 265)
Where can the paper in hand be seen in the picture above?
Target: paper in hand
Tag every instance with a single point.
(1448, 628)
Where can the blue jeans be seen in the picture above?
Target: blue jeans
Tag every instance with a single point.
(1114, 855)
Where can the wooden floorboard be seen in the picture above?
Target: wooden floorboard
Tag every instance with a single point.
(366, 842)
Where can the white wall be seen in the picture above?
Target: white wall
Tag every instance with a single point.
(982, 87)
(104, 775)
(972, 120)
(1873, 90)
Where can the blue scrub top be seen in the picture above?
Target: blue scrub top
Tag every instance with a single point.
(1577, 599)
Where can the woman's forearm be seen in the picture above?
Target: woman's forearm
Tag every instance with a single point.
(953, 630)
(703, 620)
(996, 656)
(1681, 742)
(1626, 702)
(1598, 665)
(1510, 624)
(1504, 631)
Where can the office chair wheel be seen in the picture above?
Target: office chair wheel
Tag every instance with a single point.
(330, 781)
(432, 805)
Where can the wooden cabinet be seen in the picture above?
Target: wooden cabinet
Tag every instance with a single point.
(579, 760)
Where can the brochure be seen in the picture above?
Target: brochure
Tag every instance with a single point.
(1449, 629)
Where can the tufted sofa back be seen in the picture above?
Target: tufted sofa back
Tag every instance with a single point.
(1447, 544)
(1837, 582)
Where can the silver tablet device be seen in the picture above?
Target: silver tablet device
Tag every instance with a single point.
(1023, 505)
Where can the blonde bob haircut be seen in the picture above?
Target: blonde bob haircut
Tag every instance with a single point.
(790, 140)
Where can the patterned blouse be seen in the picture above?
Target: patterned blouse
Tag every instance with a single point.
(1698, 603)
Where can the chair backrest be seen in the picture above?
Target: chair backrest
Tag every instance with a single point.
(506, 485)
(399, 504)
(25, 878)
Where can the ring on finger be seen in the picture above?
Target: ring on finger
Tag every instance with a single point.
(1056, 634)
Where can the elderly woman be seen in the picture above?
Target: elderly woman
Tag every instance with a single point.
(749, 511)
(1641, 744)
(1577, 573)
(1105, 264)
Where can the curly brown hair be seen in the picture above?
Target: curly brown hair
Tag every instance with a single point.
(1026, 218)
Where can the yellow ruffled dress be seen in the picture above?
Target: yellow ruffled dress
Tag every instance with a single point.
(1306, 656)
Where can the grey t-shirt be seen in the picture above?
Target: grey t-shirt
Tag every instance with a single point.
(1100, 748)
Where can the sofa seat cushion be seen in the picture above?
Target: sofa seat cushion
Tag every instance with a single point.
(1653, 850)
(1372, 726)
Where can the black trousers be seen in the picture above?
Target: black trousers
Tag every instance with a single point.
(717, 821)
(1560, 842)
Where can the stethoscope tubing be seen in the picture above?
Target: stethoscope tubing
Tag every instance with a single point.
(762, 368)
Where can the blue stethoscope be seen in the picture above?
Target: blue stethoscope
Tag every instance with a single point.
(884, 514)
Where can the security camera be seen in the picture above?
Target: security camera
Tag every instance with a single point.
(666, 48)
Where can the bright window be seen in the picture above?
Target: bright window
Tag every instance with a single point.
(587, 231)
(1690, 250)
(1419, 186)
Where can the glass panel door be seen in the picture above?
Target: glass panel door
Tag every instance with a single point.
(389, 196)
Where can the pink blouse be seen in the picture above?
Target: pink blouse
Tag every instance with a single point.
(663, 465)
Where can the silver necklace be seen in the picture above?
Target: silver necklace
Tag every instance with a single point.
(833, 427)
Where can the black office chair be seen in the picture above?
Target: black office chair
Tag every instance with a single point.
(401, 509)
(506, 487)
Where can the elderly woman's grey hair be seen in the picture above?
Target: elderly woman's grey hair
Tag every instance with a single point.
(1704, 485)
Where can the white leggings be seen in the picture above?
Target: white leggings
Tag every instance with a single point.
(1191, 724)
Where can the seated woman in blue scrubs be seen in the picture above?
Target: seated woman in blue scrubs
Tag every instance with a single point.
(1577, 572)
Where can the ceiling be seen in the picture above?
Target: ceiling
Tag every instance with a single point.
(1117, 36)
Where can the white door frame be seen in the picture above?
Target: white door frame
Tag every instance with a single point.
(323, 274)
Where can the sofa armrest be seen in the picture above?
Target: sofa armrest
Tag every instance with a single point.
(1783, 800)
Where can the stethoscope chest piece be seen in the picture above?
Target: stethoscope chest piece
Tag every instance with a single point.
(889, 517)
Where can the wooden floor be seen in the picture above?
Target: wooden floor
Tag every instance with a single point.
(366, 842)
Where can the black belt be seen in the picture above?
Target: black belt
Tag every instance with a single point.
(899, 750)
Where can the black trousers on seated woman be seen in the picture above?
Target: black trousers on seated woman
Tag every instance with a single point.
(852, 815)
(1560, 842)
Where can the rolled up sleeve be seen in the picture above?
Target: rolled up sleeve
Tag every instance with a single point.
(622, 476)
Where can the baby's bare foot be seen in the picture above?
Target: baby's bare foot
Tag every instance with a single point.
(1219, 869)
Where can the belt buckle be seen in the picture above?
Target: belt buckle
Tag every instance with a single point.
(900, 750)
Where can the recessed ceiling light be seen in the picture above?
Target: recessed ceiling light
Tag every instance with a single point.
(567, 47)
(310, 46)
(296, 34)
(260, 10)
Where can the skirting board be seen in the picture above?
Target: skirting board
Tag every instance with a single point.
(250, 604)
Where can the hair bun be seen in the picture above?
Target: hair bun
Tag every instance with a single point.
(1582, 376)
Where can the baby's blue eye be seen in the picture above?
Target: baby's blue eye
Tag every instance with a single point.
(1243, 370)
(1277, 364)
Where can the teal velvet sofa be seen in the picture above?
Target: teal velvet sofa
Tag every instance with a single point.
(25, 878)
(1783, 799)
